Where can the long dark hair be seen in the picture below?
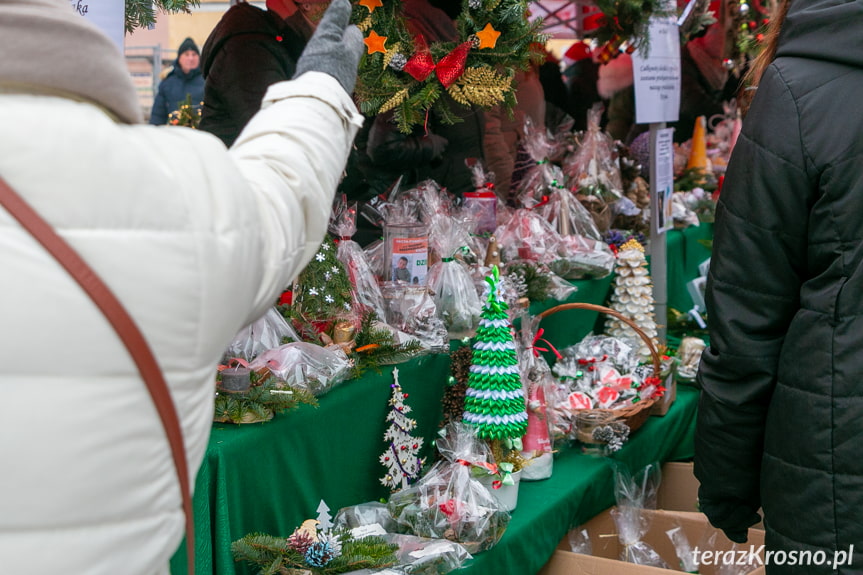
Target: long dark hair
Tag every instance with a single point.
(764, 58)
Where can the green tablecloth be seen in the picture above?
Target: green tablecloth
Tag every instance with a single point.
(270, 477)
(685, 252)
(580, 487)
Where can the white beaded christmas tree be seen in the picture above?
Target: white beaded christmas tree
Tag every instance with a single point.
(400, 458)
(632, 296)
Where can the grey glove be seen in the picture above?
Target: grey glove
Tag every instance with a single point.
(335, 47)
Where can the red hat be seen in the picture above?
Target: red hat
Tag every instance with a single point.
(578, 51)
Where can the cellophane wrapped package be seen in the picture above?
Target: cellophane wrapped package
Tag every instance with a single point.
(448, 503)
(267, 332)
(480, 205)
(305, 366)
(528, 236)
(592, 172)
(539, 146)
(634, 494)
(561, 207)
(456, 301)
(410, 309)
(364, 285)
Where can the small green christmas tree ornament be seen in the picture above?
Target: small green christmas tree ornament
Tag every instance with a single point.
(322, 293)
(494, 400)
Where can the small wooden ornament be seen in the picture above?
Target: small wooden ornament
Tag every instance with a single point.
(492, 255)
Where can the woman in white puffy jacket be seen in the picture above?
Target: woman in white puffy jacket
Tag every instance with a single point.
(195, 240)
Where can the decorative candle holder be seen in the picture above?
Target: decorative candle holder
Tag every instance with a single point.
(236, 379)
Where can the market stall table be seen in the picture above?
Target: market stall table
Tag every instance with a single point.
(270, 477)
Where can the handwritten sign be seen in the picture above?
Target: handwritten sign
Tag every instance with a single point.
(657, 73)
(107, 15)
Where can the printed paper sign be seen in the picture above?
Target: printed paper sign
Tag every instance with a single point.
(657, 73)
(107, 15)
(664, 154)
(410, 260)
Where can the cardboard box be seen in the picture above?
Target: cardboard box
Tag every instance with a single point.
(606, 546)
(678, 490)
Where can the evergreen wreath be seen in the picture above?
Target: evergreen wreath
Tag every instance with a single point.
(408, 76)
(142, 13)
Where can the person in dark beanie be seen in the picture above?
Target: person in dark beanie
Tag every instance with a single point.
(185, 79)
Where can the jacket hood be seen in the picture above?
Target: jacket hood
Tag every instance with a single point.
(828, 30)
(238, 20)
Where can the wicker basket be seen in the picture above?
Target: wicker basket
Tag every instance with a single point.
(633, 416)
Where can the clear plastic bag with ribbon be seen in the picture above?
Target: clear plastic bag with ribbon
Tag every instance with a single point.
(423, 556)
(267, 332)
(539, 147)
(305, 366)
(527, 236)
(593, 173)
(364, 285)
(448, 503)
(456, 300)
(370, 518)
(480, 206)
(562, 209)
(538, 385)
(634, 494)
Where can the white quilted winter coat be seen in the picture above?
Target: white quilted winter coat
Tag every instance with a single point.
(196, 241)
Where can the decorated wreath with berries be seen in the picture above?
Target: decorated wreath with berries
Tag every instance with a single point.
(409, 75)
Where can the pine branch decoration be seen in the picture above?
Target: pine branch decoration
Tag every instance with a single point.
(142, 13)
(274, 556)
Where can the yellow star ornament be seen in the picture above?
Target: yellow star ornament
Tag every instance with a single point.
(487, 37)
(375, 43)
(371, 4)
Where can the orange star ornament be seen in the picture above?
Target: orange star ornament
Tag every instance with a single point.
(487, 37)
(371, 4)
(375, 43)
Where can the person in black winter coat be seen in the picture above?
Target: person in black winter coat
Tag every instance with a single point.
(184, 80)
(273, 39)
(780, 420)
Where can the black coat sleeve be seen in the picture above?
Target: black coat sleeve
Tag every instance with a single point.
(757, 267)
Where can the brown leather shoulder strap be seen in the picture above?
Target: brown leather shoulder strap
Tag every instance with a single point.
(126, 329)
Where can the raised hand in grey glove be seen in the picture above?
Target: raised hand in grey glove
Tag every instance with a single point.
(335, 47)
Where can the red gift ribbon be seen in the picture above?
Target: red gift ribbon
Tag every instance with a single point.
(536, 349)
(233, 362)
(448, 69)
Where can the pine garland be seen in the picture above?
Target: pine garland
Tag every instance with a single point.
(274, 556)
(375, 347)
(260, 403)
(383, 85)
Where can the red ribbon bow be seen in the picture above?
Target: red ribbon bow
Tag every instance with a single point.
(448, 68)
(536, 349)
(233, 362)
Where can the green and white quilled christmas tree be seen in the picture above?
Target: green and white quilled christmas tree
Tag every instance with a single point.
(494, 402)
